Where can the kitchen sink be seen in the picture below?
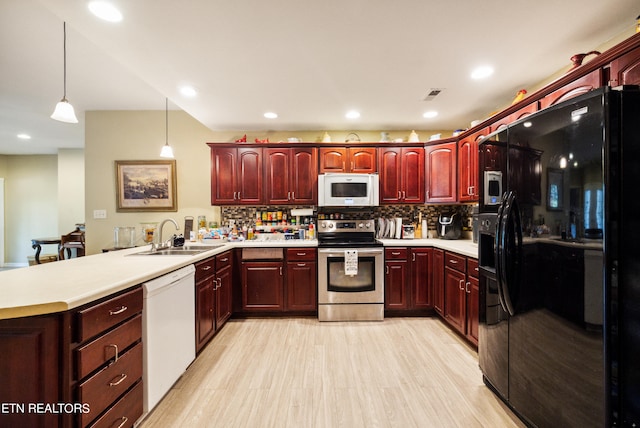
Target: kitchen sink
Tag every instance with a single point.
(187, 250)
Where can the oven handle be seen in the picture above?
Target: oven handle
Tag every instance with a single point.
(340, 252)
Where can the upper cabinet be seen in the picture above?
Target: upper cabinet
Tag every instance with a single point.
(441, 177)
(236, 176)
(579, 86)
(401, 175)
(625, 70)
(291, 176)
(348, 159)
(468, 166)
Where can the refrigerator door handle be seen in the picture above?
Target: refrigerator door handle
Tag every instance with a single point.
(499, 250)
(511, 256)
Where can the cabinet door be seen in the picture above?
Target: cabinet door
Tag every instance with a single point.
(579, 86)
(507, 120)
(473, 295)
(625, 70)
(468, 156)
(421, 278)
(30, 369)
(333, 159)
(249, 179)
(304, 176)
(262, 284)
(437, 279)
(441, 172)
(223, 176)
(412, 175)
(389, 167)
(301, 286)
(223, 296)
(455, 298)
(205, 315)
(276, 176)
(363, 160)
(395, 285)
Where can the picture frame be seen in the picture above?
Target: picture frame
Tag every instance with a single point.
(555, 189)
(146, 185)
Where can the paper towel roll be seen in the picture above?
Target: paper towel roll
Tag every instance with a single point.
(398, 227)
(425, 232)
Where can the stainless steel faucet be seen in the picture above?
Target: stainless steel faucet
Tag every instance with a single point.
(161, 244)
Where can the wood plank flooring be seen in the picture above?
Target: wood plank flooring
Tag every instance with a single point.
(298, 372)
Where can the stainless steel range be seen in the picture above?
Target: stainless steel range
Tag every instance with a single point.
(350, 271)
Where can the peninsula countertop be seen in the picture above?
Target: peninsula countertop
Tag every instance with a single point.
(67, 284)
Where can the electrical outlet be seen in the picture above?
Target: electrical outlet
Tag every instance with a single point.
(99, 214)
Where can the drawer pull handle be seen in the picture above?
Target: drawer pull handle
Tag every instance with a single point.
(226, 259)
(123, 376)
(455, 262)
(114, 346)
(302, 264)
(124, 420)
(206, 267)
(118, 311)
(395, 254)
(301, 254)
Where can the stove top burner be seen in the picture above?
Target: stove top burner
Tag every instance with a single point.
(347, 233)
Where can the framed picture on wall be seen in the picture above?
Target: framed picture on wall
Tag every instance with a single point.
(146, 186)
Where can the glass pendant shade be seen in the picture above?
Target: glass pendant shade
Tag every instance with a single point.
(64, 112)
(166, 152)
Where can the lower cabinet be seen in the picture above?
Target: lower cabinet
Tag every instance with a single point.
(88, 360)
(408, 282)
(461, 294)
(213, 296)
(279, 280)
(437, 279)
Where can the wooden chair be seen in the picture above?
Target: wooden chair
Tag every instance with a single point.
(71, 240)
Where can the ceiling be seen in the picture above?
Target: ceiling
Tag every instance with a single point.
(309, 61)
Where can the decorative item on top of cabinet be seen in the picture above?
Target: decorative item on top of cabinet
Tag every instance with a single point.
(401, 175)
(441, 163)
(236, 175)
(291, 176)
(348, 159)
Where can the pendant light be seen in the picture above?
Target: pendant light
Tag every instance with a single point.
(167, 151)
(64, 110)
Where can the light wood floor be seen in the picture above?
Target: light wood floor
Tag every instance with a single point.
(298, 372)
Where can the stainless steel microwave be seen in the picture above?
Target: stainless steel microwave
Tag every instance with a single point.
(345, 190)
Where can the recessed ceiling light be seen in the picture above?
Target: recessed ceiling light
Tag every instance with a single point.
(271, 115)
(105, 10)
(430, 114)
(352, 114)
(188, 91)
(482, 72)
(24, 136)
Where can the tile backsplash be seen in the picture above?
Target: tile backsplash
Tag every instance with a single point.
(247, 214)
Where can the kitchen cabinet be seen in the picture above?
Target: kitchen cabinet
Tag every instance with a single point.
(348, 159)
(519, 114)
(236, 175)
(262, 279)
(437, 280)
(421, 278)
(401, 175)
(579, 86)
(441, 176)
(472, 288)
(468, 166)
(213, 296)
(291, 176)
(625, 70)
(396, 281)
(302, 279)
(461, 304)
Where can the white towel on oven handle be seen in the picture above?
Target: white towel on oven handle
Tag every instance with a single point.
(351, 262)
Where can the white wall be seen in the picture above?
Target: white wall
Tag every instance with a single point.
(70, 189)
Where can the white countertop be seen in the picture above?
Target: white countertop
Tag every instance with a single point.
(63, 285)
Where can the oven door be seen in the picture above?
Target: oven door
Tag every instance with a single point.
(334, 286)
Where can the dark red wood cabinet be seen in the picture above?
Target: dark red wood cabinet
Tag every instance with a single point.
(421, 278)
(408, 278)
(396, 283)
(348, 159)
(437, 279)
(441, 172)
(461, 299)
(291, 175)
(236, 175)
(401, 172)
(579, 86)
(468, 188)
(625, 70)
(302, 278)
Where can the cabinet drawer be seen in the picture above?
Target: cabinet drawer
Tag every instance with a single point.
(455, 261)
(125, 412)
(472, 268)
(205, 268)
(396, 253)
(223, 260)
(97, 352)
(103, 388)
(301, 254)
(105, 315)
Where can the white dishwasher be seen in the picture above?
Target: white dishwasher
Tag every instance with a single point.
(168, 332)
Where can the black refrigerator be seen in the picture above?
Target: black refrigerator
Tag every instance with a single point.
(559, 255)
